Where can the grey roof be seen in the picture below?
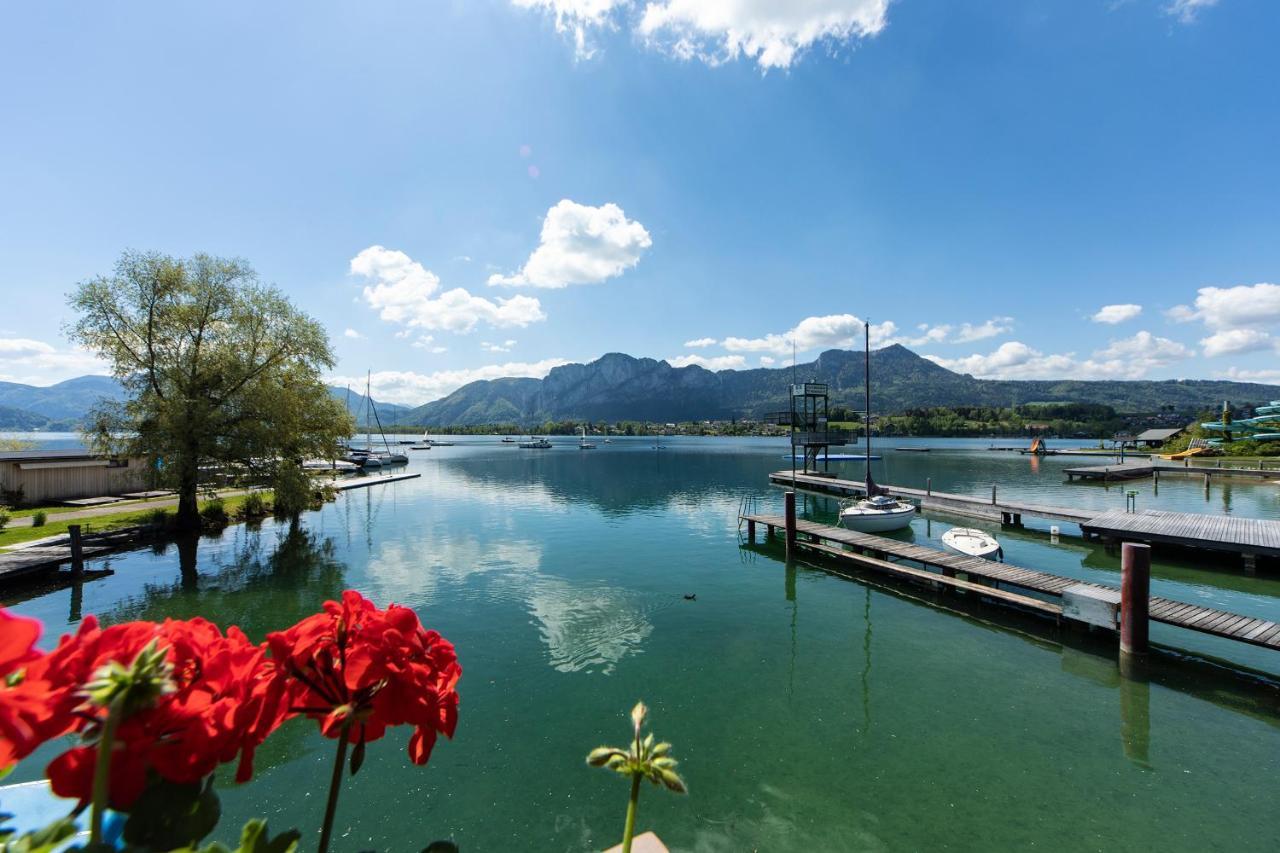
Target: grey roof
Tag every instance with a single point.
(1158, 434)
(47, 455)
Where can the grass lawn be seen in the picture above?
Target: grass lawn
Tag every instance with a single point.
(124, 518)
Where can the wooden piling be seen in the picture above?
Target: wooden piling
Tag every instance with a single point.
(751, 530)
(1135, 595)
(790, 503)
(993, 494)
(77, 550)
(928, 486)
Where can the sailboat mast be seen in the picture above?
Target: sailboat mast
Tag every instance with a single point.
(866, 382)
(368, 399)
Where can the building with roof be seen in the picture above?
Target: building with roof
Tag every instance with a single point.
(49, 476)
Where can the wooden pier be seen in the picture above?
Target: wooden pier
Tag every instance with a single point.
(1249, 537)
(942, 569)
(992, 509)
(365, 482)
(1106, 473)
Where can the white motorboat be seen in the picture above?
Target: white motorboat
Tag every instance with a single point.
(506, 439)
(879, 514)
(974, 542)
(536, 444)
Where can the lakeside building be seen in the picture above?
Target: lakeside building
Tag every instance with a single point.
(48, 476)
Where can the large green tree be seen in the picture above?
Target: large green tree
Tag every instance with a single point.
(222, 372)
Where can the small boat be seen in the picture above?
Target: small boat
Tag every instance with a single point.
(878, 514)
(430, 442)
(506, 439)
(536, 444)
(419, 447)
(583, 444)
(608, 441)
(974, 542)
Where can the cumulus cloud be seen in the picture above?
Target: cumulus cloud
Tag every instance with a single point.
(402, 291)
(33, 362)
(1233, 307)
(833, 331)
(1266, 376)
(580, 244)
(504, 346)
(1128, 358)
(352, 333)
(772, 33)
(577, 19)
(1232, 341)
(963, 334)
(767, 361)
(720, 362)
(1186, 11)
(699, 343)
(409, 388)
(1114, 314)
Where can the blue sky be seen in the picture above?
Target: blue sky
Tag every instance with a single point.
(460, 190)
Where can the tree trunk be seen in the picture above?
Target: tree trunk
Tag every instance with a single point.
(188, 503)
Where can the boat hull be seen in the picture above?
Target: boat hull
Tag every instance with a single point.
(972, 542)
(877, 521)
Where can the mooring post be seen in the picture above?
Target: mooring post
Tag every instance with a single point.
(77, 550)
(751, 530)
(790, 501)
(1135, 594)
(928, 486)
(993, 494)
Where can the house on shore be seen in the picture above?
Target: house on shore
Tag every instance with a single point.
(1148, 439)
(49, 476)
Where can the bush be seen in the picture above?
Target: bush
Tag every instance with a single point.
(158, 518)
(39, 518)
(254, 506)
(214, 514)
(292, 490)
(4, 516)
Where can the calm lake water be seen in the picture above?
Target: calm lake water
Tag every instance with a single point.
(809, 712)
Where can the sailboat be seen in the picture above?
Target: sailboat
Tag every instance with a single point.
(430, 442)
(367, 458)
(583, 444)
(877, 513)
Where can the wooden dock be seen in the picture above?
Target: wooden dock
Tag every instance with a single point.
(990, 509)
(941, 568)
(1106, 473)
(1249, 537)
(365, 482)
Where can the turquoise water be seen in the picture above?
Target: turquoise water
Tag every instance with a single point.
(810, 712)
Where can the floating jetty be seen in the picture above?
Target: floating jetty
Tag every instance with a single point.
(1250, 538)
(1135, 470)
(993, 509)
(365, 482)
(1060, 598)
(1106, 473)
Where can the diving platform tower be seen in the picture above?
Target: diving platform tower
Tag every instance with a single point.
(811, 434)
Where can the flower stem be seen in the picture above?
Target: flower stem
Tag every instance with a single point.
(335, 785)
(630, 828)
(102, 770)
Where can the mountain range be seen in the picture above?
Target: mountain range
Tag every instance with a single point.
(618, 387)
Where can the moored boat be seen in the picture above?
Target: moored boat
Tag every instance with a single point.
(974, 542)
(878, 514)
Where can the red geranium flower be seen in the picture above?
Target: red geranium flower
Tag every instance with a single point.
(357, 670)
(223, 701)
(19, 716)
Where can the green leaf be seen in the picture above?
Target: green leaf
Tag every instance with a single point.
(42, 840)
(254, 838)
(169, 815)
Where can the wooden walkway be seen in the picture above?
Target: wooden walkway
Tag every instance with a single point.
(991, 509)
(1252, 537)
(1206, 620)
(21, 563)
(1119, 471)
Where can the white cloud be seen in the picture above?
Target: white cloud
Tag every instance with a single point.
(581, 244)
(833, 331)
(404, 292)
(1230, 341)
(1187, 10)
(1233, 307)
(963, 334)
(1114, 314)
(33, 362)
(767, 361)
(1265, 376)
(577, 18)
(1128, 358)
(352, 333)
(720, 362)
(1181, 314)
(505, 346)
(409, 388)
(773, 33)
(698, 343)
